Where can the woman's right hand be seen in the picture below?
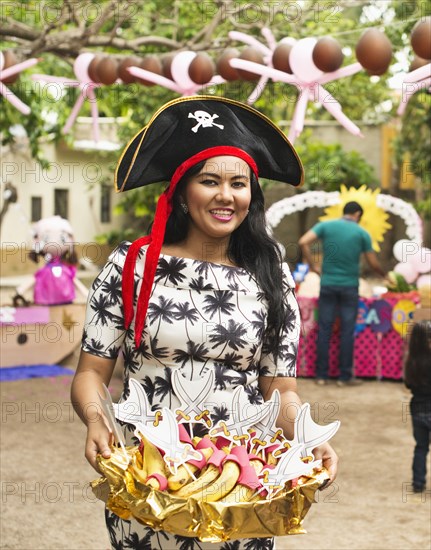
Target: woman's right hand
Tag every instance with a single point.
(99, 439)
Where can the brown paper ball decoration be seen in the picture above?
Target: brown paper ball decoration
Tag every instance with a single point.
(9, 60)
(123, 73)
(107, 70)
(250, 54)
(417, 63)
(166, 65)
(150, 63)
(280, 58)
(327, 54)
(92, 69)
(202, 68)
(374, 51)
(421, 38)
(223, 66)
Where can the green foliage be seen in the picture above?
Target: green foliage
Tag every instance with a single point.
(327, 166)
(414, 142)
(186, 24)
(50, 107)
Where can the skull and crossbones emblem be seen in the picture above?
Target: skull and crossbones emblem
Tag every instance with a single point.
(204, 120)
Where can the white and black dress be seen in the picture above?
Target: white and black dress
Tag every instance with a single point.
(200, 316)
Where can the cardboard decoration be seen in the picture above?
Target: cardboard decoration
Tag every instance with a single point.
(236, 428)
(265, 432)
(136, 408)
(108, 410)
(235, 495)
(248, 426)
(289, 466)
(383, 321)
(361, 319)
(193, 395)
(309, 434)
(402, 314)
(165, 436)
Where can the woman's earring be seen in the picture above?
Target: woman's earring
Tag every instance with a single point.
(184, 207)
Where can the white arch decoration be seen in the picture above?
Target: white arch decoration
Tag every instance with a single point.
(322, 199)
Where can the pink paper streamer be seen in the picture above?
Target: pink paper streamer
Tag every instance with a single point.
(8, 94)
(13, 100)
(250, 40)
(418, 74)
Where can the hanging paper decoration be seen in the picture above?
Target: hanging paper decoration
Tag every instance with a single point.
(83, 65)
(328, 55)
(9, 72)
(223, 65)
(186, 73)
(297, 63)
(419, 77)
(374, 51)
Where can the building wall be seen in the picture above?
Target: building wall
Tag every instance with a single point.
(78, 172)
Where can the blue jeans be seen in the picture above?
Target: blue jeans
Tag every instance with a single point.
(421, 432)
(344, 300)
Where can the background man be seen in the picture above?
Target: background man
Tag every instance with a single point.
(343, 242)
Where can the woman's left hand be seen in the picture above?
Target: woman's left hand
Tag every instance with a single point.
(329, 460)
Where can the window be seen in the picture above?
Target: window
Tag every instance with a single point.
(105, 203)
(36, 209)
(61, 203)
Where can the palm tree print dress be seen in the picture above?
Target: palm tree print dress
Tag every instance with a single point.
(200, 316)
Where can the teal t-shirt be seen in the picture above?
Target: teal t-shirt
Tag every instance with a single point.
(343, 243)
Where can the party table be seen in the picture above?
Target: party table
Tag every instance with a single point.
(381, 336)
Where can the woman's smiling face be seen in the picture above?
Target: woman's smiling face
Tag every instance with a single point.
(218, 197)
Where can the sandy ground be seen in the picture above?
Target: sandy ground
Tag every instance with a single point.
(47, 504)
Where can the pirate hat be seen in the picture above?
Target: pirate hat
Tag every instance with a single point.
(182, 133)
(188, 126)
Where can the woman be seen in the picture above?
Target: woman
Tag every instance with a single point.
(207, 284)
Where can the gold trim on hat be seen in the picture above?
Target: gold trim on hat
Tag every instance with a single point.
(197, 98)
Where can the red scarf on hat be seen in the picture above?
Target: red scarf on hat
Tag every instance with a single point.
(156, 238)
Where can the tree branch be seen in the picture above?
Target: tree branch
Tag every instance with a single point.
(136, 43)
(14, 29)
(95, 27)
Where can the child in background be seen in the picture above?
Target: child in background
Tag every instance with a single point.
(417, 378)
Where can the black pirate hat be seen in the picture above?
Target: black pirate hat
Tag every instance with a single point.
(188, 126)
(182, 133)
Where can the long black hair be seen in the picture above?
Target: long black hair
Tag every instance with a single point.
(250, 247)
(417, 371)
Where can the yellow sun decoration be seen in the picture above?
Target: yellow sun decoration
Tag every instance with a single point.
(374, 219)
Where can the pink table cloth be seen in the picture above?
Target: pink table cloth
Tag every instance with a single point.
(376, 354)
